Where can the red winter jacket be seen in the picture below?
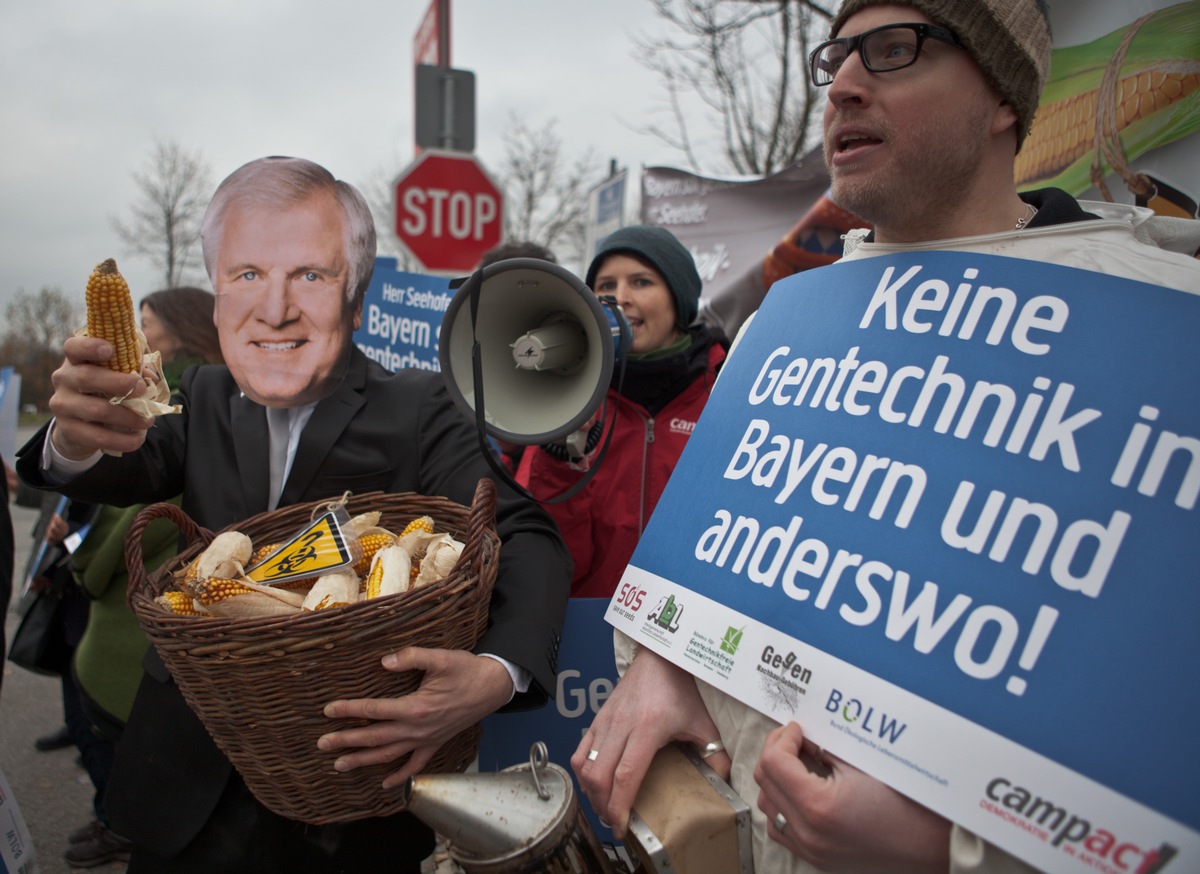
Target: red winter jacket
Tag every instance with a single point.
(602, 523)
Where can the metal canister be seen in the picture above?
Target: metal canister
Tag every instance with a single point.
(526, 818)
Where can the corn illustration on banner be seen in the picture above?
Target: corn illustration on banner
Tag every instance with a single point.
(952, 533)
(1115, 99)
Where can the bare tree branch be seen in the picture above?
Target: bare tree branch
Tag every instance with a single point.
(35, 326)
(174, 187)
(545, 195)
(743, 62)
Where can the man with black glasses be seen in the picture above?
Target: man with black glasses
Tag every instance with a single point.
(928, 103)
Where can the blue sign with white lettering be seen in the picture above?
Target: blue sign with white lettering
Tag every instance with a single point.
(974, 479)
(402, 317)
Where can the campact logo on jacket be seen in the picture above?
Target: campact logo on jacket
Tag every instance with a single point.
(681, 426)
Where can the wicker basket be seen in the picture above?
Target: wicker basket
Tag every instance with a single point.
(259, 684)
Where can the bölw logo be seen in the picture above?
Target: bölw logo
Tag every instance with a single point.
(865, 718)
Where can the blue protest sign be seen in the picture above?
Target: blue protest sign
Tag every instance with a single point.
(402, 317)
(941, 510)
(10, 397)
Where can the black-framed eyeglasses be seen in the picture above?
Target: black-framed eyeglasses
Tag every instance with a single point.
(882, 49)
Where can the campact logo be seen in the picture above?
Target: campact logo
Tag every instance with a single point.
(1097, 847)
(681, 426)
(864, 718)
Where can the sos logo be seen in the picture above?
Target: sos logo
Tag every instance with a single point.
(631, 597)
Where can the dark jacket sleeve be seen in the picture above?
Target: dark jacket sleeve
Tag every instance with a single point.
(153, 473)
(529, 600)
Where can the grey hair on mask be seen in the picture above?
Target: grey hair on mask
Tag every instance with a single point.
(280, 182)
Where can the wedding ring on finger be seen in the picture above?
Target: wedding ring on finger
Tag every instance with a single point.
(780, 822)
(713, 746)
(593, 755)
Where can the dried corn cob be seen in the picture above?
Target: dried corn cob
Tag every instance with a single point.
(261, 553)
(211, 591)
(391, 572)
(375, 580)
(110, 316)
(371, 544)
(335, 589)
(181, 603)
(441, 554)
(300, 585)
(421, 523)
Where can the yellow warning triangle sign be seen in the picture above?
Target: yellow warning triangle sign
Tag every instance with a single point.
(318, 549)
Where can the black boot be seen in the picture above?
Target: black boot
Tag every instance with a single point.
(55, 740)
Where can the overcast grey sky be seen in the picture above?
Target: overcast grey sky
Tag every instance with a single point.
(87, 88)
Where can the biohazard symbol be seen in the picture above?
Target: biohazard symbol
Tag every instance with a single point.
(319, 548)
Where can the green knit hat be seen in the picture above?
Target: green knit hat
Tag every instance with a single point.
(1009, 39)
(662, 250)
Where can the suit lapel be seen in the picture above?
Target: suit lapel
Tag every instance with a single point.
(330, 418)
(250, 448)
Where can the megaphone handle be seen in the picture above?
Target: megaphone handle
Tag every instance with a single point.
(591, 472)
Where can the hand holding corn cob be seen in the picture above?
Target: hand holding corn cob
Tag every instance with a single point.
(110, 317)
(101, 373)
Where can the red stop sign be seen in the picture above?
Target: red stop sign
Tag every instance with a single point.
(448, 211)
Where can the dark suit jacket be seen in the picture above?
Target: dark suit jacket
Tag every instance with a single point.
(394, 432)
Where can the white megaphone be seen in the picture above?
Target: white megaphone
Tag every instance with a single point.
(527, 350)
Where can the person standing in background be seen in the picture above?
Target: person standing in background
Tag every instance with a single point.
(297, 413)
(61, 525)
(107, 663)
(928, 103)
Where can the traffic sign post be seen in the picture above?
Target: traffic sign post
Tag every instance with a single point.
(444, 116)
(448, 210)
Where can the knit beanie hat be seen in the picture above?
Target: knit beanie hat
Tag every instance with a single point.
(1009, 39)
(659, 248)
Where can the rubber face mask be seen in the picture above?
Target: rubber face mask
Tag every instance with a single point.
(282, 312)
